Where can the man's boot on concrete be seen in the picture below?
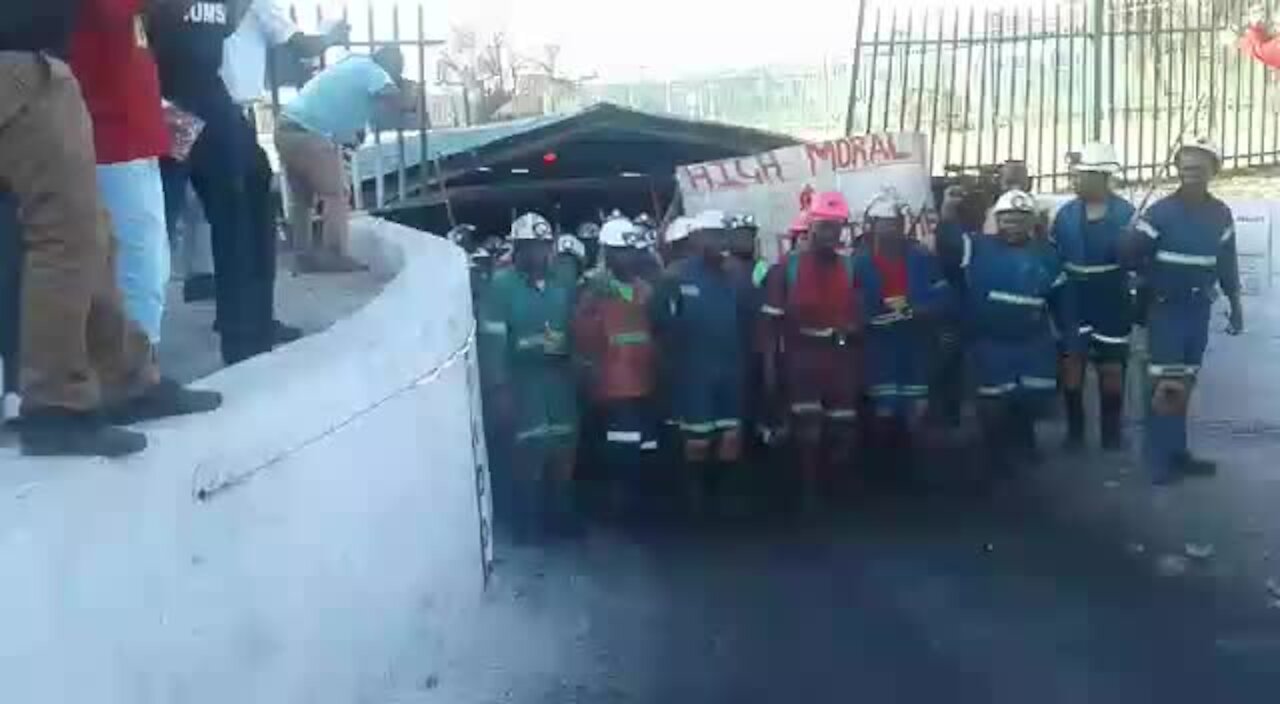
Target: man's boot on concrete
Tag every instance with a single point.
(63, 433)
(165, 399)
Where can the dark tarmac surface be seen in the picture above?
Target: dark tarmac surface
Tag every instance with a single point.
(1077, 583)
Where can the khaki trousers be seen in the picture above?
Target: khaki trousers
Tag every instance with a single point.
(313, 166)
(78, 350)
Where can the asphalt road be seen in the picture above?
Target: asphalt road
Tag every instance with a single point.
(958, 598)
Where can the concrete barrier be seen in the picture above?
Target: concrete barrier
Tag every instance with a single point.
(285, 549)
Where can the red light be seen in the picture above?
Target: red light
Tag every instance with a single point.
(550, 158)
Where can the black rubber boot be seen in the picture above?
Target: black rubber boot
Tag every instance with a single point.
(1112, 416)
(167, 399)
(1074, 403)
(61, 433)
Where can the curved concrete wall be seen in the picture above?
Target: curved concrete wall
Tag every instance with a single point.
(282, 550)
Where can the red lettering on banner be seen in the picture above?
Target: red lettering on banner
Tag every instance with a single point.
(768, 162)
(699, 174)
(878, 152)
(859, 152)
(844, 155)
(818, 153)
(727, 181)
(746, 174)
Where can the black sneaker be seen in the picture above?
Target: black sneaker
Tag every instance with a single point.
(284, 334)
(166, 399)
(60, 433)
(1192, 466)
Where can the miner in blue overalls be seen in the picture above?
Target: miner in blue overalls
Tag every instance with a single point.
(525, 319)
(699, 311)
(1087, 232)
(1187, 245)
(903, 295)
(1015, 293)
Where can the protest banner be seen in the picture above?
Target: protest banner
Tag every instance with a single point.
(769, 185)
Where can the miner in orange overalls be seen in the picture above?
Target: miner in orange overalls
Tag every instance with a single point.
(811, 310)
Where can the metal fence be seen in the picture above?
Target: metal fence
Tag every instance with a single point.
(1035, 81)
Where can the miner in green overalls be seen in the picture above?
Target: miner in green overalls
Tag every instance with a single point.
(525, 363)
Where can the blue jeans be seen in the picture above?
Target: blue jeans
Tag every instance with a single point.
(134, 195)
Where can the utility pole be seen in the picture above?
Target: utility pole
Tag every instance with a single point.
(856, 67)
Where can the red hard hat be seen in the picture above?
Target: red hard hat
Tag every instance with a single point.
(829, 206)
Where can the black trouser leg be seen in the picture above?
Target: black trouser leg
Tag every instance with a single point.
(10, 286)
(262, 220)
(221, 162)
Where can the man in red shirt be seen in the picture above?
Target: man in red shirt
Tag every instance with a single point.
(811, 311)
(110, 57)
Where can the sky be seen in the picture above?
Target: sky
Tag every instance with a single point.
(627, 39)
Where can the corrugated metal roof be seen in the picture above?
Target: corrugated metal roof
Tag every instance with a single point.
(385, 156)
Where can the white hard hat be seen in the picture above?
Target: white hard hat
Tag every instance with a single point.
(1015, 201)
(1204, 144)
(617, 232)
(588, 231)
(679, 229)
(532, 226)
(708, 220)
(568, 244)
(886, 206)
(1099, 158)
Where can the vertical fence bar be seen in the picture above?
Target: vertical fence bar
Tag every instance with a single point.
(1172, 75)
(1253, 109)
(1142, 89)
(401, 151)
(997, 84)
(1071, 86)
(906, 69)
(1184, 45)
(1199, 60)
(1110, 27)
(1057, 82)
(981, 118)
(1134, 157)
(1026, 86)
(1099, 11)
(379, 167)
(964, 123)
(937, 92)
(924, 59)
(1235, 53)
(871, 79)
(951, 86)
(1158, 146)
(1265, 106)
(892, 53)
(1043, 89)
(855, 67)
(1013, 84)
(424, 106)
(937, 96)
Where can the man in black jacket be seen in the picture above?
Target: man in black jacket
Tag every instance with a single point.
(85, 367)
(228, 170)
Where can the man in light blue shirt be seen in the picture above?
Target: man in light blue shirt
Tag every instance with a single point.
(329, 111)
